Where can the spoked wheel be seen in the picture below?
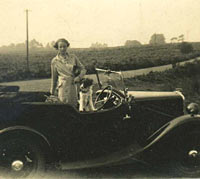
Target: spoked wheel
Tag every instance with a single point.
(20, 158)
(187, 160)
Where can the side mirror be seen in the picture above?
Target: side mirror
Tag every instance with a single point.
(192, 108)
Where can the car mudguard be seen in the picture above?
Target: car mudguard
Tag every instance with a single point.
(174, 126)
(25, 129)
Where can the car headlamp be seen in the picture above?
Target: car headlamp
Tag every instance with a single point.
(192, 108)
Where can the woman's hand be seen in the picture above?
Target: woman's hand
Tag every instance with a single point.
(77, 79)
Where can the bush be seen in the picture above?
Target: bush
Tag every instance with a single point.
(186, 47)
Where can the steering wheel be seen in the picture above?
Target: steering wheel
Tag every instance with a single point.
(103, 99)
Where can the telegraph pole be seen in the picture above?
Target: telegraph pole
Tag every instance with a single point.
(27, 42)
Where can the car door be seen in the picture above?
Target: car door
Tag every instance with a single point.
(106, 131)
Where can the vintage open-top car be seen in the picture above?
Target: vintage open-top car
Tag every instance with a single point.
(146, 126)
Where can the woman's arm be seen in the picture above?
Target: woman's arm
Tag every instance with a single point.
(81, 68)
(54, 78)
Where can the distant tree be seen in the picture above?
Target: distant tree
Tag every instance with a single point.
(157, 39)
(48, 45)
(174, 39)
(20, 46)
(104, 45)
(185, 47)
(98, 45)
(181, 38)
(3, 48)
(12, 45)
(132, 43)
(35, 44)
(52, 43)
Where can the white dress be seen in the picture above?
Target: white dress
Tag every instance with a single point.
(62, 72)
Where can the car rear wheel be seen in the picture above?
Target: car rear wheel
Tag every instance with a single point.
(20, 157)
(186, 161)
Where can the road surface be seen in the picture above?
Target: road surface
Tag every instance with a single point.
(122, 172)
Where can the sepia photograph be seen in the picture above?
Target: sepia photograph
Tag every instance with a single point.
(99, 89)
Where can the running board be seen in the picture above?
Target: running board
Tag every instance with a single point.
(107, 160)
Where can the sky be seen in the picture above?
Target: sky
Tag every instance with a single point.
(84, 22)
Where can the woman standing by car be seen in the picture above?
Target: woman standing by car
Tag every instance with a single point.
(66, 71)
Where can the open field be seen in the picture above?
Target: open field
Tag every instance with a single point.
(13, 65)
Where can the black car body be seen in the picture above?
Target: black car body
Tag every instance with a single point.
(146, 126)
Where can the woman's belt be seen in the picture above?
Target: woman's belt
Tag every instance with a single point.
(65, 78)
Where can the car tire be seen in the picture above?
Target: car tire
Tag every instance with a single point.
(21, 157)
(186, 156)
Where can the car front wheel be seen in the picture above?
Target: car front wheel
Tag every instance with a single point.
(186, 161)
(20, 157)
